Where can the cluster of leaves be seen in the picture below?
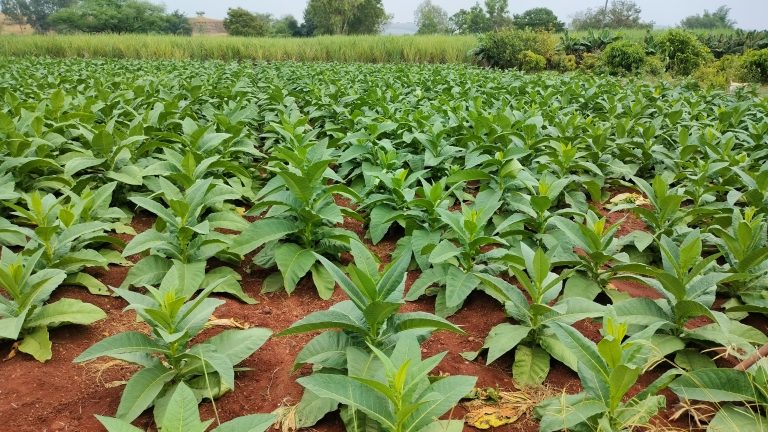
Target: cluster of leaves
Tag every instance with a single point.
(490, 179)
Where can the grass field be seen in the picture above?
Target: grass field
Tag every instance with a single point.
(367, 49)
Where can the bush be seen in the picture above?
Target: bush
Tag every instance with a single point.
(755, 66)
(504, 48)
(532, 62)
(564, 62)
(589, 62)
(653, 66)
(623, 56)
(721, 73)
(683, 51)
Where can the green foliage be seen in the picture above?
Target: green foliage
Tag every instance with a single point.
(394, 391)
(35, 13)
(620, 14)
(734, 43)
(504, 48)
(431, 19)
(540, 19)
(564, 62)
(608, 370)
(24, 315)
(333, 17)
(118, 16)
(181, 415)
(623, 57)
(532, 62)
(683, 51)
(168, 356)
(240, 22)
(533, 339)
(755, 66)
(719, 19)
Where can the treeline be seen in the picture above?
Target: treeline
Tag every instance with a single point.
(331, 17)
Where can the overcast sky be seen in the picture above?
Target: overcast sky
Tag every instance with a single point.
(749, 14)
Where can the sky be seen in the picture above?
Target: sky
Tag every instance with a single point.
(749, 14)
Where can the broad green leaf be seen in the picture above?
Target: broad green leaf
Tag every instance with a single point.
(141, 391)
(294, 262)
(503, 338)
(65, 311)
(122, 343)
(259, 233)
(531, 366)
(37, 344)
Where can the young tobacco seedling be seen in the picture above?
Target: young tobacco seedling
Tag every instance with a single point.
(181, 415)
(394, 392)
(368, 319)
(168, 356)
(533, 339)
(24, 315)
(607, 370)
(458, 259)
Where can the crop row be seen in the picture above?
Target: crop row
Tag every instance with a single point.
(497, 182)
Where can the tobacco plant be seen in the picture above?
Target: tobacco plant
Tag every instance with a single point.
(607, 370)
(171, 353)
(24, 314)
(392, 392)
(533, 340)
(470, 246)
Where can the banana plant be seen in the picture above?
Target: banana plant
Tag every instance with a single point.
(300, 219)
(741, 396)
(607, 370)
(532, 339)
(392, 392)
(369, 318)
(459, 258)
(173, 352)
(24, 314)
(181, 415)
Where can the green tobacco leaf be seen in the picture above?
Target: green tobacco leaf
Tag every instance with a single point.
(123, 343)
(731, 419)
(458, 286)
(249, 423)
(230, 285)
(37, 344)
(349, 392)
(237, 345)
(149, 271)
(181, 414)
(323, 280)
(141, 391)
(259, 233)
(117, 425)
(715, 385)
(531, 366)
(93, 285)
(503, 338)
(294, 262)
(65, 311)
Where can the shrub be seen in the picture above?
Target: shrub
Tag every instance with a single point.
(683, 52)
(623, 56)
(532, 62)
(564, 62)
(718, 74)
(589, 62)
(653, 65)
(755, 66)
(504, 48)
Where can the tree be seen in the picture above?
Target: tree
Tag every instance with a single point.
(286, 26)
(240, 22)
(345, 16)
(119, 16)
(621, 14)
(718, 19)
(33, 12)
(538, 19)
(498, 13)
(431, 19)
(470, 21)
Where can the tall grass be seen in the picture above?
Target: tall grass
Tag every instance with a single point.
(366, 49)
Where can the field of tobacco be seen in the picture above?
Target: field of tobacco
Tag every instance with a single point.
(192, 246)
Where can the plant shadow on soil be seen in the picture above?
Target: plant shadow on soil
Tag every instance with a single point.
(62, 396)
